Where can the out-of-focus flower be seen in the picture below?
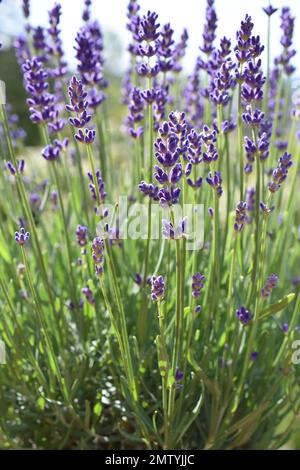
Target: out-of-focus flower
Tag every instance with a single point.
(198, 281)
(280, 173)
(269, 286)
(240, 216)
(244, 315)
(98, 255)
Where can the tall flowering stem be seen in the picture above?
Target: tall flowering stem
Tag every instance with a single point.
(28, 210)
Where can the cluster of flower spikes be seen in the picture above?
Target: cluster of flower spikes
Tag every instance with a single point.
(169, 146)
(43, 105)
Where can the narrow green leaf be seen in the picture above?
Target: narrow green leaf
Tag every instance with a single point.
(277, 307)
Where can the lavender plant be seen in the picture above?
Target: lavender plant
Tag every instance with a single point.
(120, 337)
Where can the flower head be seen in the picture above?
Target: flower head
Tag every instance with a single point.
(269, 10)
(22, 236)
(240, 216)
(98, 256)
(269, 286)
(81, 233)
(157, 288)
(280, 173)
(244, 315)
(198, 281)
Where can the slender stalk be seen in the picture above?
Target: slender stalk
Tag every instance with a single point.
(28, 211)
(49, 347)
(240, 138)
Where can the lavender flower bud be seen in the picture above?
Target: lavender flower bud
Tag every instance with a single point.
(269, 286)
(22, 236)
(157, 288)
(197, 284)
(240, 216)
(244, 315)
(81, 233)
(98, 256)
(88, 293)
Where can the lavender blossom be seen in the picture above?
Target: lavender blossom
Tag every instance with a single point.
(215, 181)
(209, 34)
(250, 201)
(98, 256)
(197, 284)
(269, 286)
(22, 236)
(157, 288)
(88, 293)
(89, 53)
(14, 170)
(244, 315)
(26, 8)
(287, 25)
(280, 173)
(269, 10)
(136, 107)
(55, 49)
(179, 51)
(101, 186)
(240, 216)
(79, 106)
(81, 233)
(86, 15)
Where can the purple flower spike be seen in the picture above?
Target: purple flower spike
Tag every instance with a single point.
(197, 284)
(209, 34)
(149, 27)
(254, 355)
(51, 152)
(81, 233)
(78, 105)
(22, 236)
(100, 183)
(244, 315)
(285, 327)
(280, 173)
(157, 288)
(215, 181)
(87, 10)
(98, 255)
(26, 8)
(240, 216)
(88, 293)
(269, 286)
